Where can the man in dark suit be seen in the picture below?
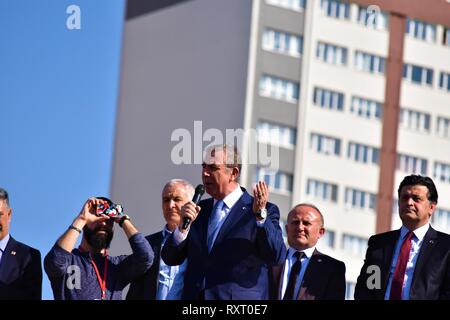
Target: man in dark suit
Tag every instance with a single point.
(163, 282)
(233, 241)
(307, 274)
(411, 263)
(20, 265)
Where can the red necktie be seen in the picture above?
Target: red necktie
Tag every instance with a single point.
(400, 268)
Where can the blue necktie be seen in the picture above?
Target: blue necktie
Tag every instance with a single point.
(213, 226)
(295, 272)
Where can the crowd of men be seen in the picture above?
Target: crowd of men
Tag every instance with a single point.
(228, 247)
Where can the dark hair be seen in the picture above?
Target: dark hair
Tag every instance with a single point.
(414, 179)
(4, 196)
(106, 199)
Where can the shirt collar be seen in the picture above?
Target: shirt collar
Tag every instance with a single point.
(308, 252)
(419, 232)
(233, 197)
(166, 232)
(4, 242)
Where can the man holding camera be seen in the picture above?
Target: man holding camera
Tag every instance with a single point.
(88, 272)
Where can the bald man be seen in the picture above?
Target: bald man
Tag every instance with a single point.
(307, 274)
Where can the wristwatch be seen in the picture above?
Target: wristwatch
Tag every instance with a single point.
(121, 221)
(261, 214)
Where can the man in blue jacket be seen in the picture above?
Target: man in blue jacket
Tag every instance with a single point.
(233, 241)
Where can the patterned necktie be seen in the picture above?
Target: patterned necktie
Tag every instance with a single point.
(213, 225)
(295, 272)
(399, 273)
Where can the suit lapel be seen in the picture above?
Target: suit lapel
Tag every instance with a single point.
(240, 208)
(429, 241)
(388, 253)
(311, 272)
(9, 260)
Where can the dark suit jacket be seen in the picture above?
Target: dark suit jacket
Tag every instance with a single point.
(324, 279)
(20, 272)
(146, 286)
(431, 277)
(237, 266)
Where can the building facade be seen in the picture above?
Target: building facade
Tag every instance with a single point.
(316, 89)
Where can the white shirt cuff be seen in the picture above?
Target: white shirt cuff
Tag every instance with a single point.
(260, 223)
(179, 236)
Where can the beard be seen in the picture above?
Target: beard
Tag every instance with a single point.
(98, 240)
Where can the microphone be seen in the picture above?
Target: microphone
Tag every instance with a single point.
(199, 191)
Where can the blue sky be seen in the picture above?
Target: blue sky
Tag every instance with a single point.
(58, 94)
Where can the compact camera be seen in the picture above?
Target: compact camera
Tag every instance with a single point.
(109, 209)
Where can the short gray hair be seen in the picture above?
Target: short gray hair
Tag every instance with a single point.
(4, 196)
(188, 188)
(233, 159)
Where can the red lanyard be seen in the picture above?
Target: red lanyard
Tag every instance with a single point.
(101, 281)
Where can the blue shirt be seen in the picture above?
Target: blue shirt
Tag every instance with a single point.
(3, 244)
(170, 280)
(416, 243)
(62, 268)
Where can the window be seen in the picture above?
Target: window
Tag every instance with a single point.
(444, 81)
(394, 206)
(443, 127)
(331, 53)
(372, 19)
(297, 5)
(363, 153)
(276, 180)
(349, 290)
(322, 190)
(421, 30)
(365, 108)
(282, 42)
(414, 120)
(441, 218)
(369, 62)
(335, 9)
(328, 99)
(328, 238)
(442, 171)
(277, 88)
(417, 74)
(446, 40)
(411, 164)
(271, 133)
(359, 199)
(325, 144)
(354, 245)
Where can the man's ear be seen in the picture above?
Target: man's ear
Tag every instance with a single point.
(432, 209)
(322, 232)
(235, 173)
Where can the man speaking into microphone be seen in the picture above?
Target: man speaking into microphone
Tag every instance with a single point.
(232, 237)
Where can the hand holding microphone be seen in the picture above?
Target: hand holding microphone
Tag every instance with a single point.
(189, 210)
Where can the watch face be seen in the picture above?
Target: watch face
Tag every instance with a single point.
(262, 213)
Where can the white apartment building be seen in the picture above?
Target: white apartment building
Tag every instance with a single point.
(316, 88)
